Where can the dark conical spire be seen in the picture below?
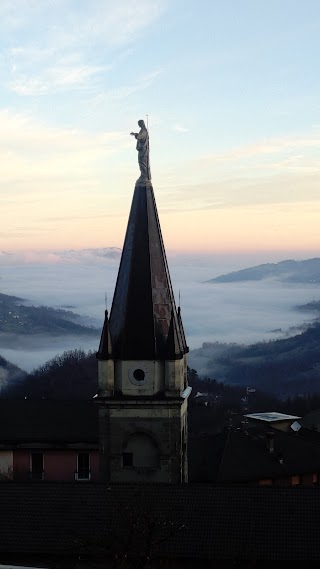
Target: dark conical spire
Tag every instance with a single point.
(143, 308)
(105, 346)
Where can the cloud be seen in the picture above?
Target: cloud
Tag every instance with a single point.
(66, 23)
(16, 14)
(126, 91)
(32, 148)
(179, 128)
(106, 22)
(74, 217)
(66, 44)
(236, 192)
(280, 171)
(267, 147)
(62, 182)
(58, 78)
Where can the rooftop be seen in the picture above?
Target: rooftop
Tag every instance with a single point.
(246, 456)
(48, 421)
(272, 417)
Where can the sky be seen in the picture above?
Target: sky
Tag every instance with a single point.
(232, 94)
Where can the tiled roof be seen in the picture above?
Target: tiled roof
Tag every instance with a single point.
(23, 421)
(185, 521)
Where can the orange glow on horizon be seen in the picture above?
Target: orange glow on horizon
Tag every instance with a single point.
(229, 230)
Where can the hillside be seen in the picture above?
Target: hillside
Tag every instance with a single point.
(313, 306)
(72, 375)
(212, 404)
(289, 271)
(283, 367)
(9, 374)
(17, 317)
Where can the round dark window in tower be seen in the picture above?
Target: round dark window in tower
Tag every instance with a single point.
(139, 374)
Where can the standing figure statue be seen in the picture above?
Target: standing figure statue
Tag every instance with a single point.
(142, 138)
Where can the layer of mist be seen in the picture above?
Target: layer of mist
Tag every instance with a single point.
(224, 312)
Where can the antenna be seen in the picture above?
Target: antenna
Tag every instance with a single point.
(106, 300)
(179, 298)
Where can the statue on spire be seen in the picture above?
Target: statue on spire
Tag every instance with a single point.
(142, 138)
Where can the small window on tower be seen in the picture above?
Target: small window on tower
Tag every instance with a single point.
(139, 374)
(127, 459)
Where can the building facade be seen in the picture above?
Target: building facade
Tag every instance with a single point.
(49, 440)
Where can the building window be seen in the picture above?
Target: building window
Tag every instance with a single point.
(37, 466)
(83, 472)
(315, 479)
(265, 482)
(127, 459)
(139, 374)
(296, 480)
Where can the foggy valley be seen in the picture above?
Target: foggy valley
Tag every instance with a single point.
(241, 312)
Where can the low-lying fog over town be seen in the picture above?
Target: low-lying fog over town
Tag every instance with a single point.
(83, 281)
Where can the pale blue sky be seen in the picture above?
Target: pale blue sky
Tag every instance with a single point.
(232, 90)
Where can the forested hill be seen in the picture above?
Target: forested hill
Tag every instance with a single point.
(17, 317)
(9, 374)
(289, 271)
(282, 367)
(72, 375)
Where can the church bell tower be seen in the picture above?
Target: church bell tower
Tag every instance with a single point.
(142, 364)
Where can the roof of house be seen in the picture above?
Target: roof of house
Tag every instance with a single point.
(48, 421)
(180, 521)
(246, 456)
(271, 417)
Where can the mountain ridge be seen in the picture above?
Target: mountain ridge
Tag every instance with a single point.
(290, 271)
(288, 366)
(17, 317)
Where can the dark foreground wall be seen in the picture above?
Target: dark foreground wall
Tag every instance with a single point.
(55, 523)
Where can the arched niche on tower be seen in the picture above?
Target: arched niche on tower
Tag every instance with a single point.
(140, 450)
